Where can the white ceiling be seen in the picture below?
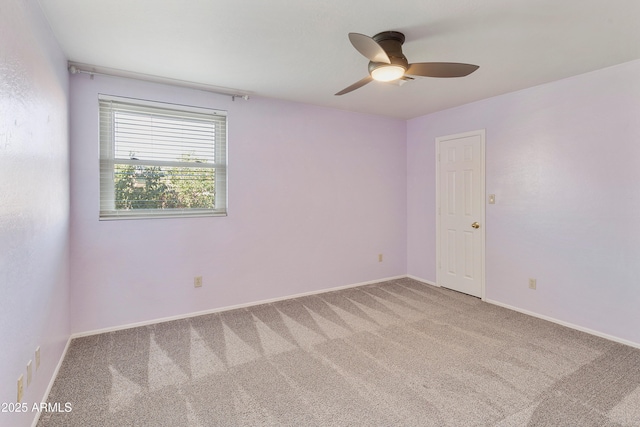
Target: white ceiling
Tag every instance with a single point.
(298, 50)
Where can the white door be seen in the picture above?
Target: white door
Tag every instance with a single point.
(460, 212)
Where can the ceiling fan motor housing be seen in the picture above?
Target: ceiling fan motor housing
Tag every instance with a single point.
(391, 42)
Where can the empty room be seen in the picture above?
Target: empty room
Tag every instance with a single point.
(247, 213)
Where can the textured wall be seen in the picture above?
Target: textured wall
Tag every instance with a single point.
(34, 202)
(562, 159)
(314, 196)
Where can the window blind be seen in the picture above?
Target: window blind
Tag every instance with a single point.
(161, 160)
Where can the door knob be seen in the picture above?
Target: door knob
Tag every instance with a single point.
(475, 225)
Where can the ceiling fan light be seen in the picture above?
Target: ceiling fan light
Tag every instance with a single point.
(387, 73)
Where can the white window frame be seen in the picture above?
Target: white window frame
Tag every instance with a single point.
(107, 105)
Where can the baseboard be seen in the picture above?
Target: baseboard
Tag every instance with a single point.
(53, 379)
(567, 324)
(428, 282)
(233, 307)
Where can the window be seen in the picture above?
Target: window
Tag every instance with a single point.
(161, 160)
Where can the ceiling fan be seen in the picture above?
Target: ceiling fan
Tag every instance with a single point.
(387, 62)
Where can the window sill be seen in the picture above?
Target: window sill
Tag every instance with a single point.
(163, 214)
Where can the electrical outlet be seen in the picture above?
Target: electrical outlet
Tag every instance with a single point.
(197, 281)
(20, 389)
(37, 358)
(532, 283)
(379, 257)
(29, 373)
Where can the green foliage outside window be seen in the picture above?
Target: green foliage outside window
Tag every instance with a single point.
(155, 187)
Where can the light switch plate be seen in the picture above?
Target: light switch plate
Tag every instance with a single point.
(492, 199)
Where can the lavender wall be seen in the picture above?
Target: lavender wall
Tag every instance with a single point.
(562, 159)
(34, 202)
(314, 196)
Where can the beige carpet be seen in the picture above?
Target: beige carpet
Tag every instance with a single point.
(397, 353)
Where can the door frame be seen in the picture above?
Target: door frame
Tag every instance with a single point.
(482, 134)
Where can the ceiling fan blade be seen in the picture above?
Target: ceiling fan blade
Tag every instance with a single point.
(369, 48)
(441, 69)
(355, 86)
